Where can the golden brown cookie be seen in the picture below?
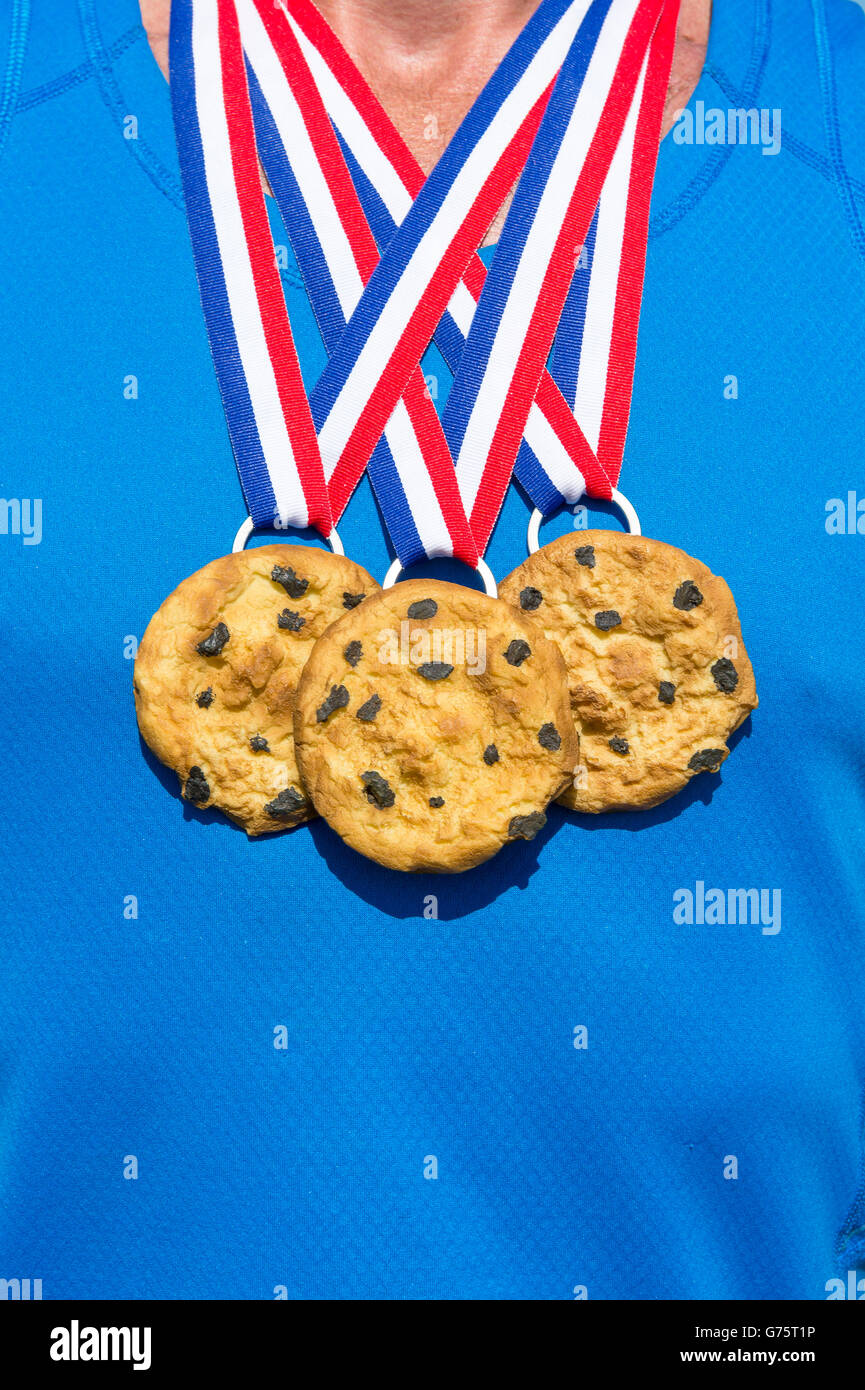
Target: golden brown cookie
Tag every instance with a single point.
(432, 726)
(217, 671)
(658, 673)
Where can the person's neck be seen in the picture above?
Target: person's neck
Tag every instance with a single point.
(426, 60)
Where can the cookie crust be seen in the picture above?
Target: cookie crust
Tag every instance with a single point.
(450, 762)
(217, 673)
(657, 669)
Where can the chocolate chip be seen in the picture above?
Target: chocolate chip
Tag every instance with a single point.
(294, 587)
(286, 805)
(517, 652)
(435, 670)
(215, 641)
(196, 788)
(377, 791)
(353, 653)
(687, 596)
(491, 754)
(666, 692)
(707, 760)
(258, 744)
(337, 699)
(293, 621)
(585, 555)
(619, 745)
(609, 618)
(725, 675)
(436, 801)
(205, 699)
(352, 600)
(424, 608)
(530, 599)
(549, 737)
(526, 827)
(369, 709)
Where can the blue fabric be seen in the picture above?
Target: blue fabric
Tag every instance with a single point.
(559, 1167)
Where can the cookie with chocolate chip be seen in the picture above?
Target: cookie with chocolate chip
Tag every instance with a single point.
(217, 673)
(432, 726)
(658, 673)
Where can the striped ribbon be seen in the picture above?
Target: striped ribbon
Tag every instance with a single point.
(266, 406)
(337, 254)
(591, 370)
(584, 79)
(277, 459)
(599, 86)
(424, 261)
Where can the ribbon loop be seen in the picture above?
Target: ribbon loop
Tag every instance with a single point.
(268, 414)
(542, 348)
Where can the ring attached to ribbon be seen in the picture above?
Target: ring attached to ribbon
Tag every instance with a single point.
(617, 498)
(247, 527)
(483, 569)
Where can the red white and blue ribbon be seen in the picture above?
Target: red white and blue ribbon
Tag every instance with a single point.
(591, 369)
(424, 262)
(512, 332)
(410, 466)
(212, 109)
(579, 72)
(266, 406)
(594, 356)
(388, 178)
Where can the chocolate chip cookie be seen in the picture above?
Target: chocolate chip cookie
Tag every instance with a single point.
(658, 673)
(217, 673)
(432, 726)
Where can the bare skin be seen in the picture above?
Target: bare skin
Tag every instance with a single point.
(426, 60)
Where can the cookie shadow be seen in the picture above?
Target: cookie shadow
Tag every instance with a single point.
(402, 895)
(701, 788)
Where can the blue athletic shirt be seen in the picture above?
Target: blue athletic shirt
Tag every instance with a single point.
(251, 1070)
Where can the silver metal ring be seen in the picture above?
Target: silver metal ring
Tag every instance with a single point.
(483, 570)
(248, 527)
(632, 521)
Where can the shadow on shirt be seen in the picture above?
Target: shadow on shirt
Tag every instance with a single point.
(385, 889)
(512, 867)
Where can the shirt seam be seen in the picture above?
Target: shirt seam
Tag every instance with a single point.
(850, 1243)
(800, 149)
(112, 98)
(714, 165)
(58, 86)
(19, 26)
(832, 127)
